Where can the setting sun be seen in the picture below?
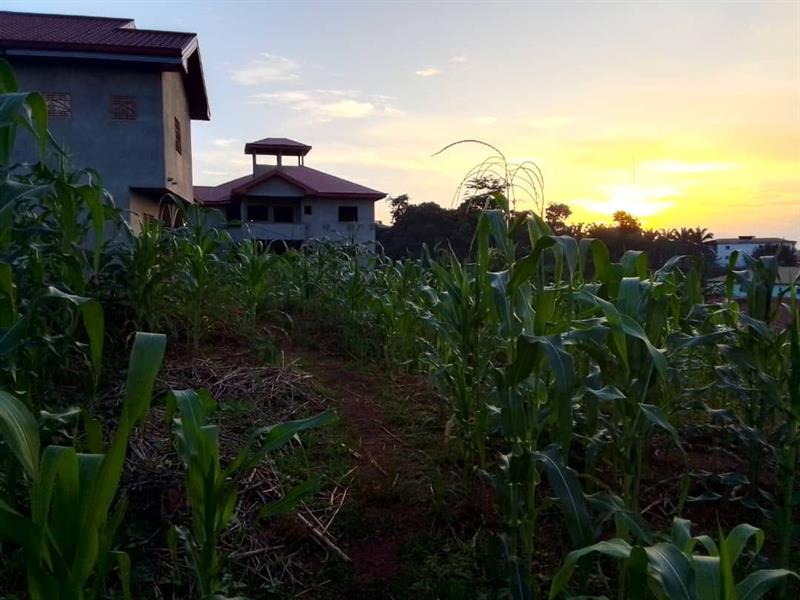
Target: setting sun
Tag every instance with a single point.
(633, 199)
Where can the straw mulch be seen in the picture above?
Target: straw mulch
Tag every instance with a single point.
(274, 554)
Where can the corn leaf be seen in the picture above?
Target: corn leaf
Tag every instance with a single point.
(275, 436)
(291, 499)
(755, 585)
(675, 571)
(20, 432)
(616, 548)
(570, 496)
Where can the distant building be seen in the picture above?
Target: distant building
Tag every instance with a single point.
(745, 244)
(786, 277)
(120, 100)
(293, 202)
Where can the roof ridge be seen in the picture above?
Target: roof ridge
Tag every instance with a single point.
(164, 31)
(66, 16)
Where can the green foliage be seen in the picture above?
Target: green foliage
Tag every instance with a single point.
(211, 489)
(675, 570)
(67, 536)
(563, 359)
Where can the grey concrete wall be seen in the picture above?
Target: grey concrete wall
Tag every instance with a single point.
(178, 167)
(141, 207)
(125, 153)
(275, 186)
(323, 222)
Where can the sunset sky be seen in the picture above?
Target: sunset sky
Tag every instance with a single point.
(683, 113)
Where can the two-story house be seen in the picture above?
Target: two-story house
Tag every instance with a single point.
(120, 100)
(286, 200)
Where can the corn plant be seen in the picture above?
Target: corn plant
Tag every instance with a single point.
(762, 372)
(620, 324)
(399, 301)
(673, 569)
(211, 489)
(52, 224)
(756, 370)
(199, 270)
(460, 353)
(67, 532)
(148, 271)
(250, 270)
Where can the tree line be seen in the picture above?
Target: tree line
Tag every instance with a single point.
(416, 226)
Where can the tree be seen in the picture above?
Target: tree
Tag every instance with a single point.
(626, 221)
(784, 253)
(398, 206)
(556, 214)
(479, 192)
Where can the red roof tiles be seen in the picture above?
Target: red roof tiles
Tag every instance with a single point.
(34, 30)
(277, 146)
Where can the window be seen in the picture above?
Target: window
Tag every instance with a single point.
(283, 214)
(123, 108)
(307, 209)
(178, 145)
(257, 213)
(58, 105)
(348, 214)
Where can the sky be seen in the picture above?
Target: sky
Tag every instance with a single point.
(684, 113)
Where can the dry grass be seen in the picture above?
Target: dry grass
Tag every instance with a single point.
(276, 553)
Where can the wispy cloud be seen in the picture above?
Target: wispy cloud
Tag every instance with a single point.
(224, 142)
(551, 122)
(269, 68)
(427, 72)
(679, 166)
(326, 105)
(214, 166)
(458, 59)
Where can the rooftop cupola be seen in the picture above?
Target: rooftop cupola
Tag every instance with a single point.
(277, 147)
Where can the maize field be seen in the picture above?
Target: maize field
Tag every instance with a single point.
(177, 414)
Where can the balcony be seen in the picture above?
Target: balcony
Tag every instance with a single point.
(261, 230)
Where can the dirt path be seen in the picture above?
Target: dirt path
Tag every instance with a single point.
(391, 499)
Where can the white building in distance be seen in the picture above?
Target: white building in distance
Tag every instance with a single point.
(745, 244)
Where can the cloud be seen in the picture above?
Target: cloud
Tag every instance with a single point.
(347, 109)
(427, 72)
(459, 59)
(327, 105)
(224, 142)
(552, 122)
(678, 166)
(217, 165)
(270, 68)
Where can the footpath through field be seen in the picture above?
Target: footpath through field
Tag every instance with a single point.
(395, 430)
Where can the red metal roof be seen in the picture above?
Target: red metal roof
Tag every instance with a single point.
(219, 194)
(312, 182)
(104, 35)
(277, 146)
(99, 33)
